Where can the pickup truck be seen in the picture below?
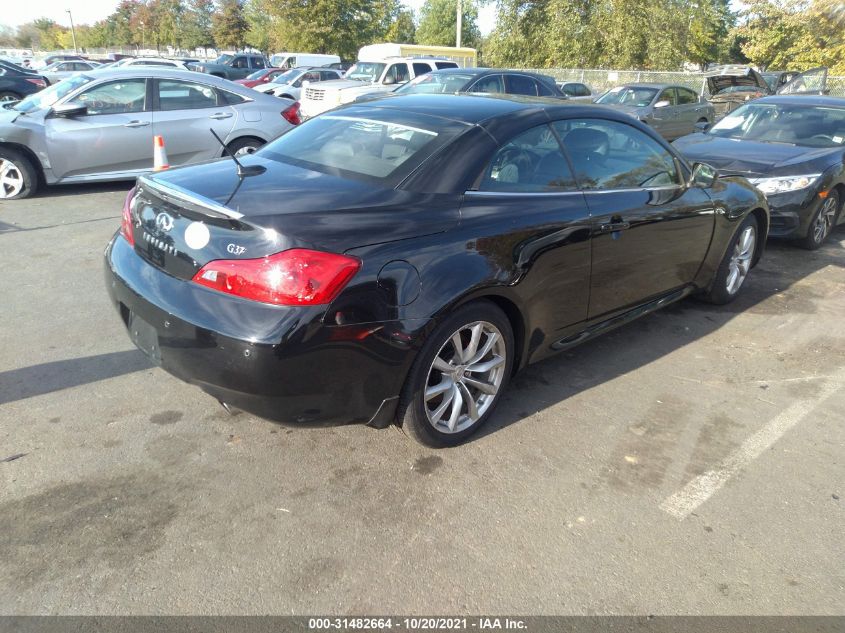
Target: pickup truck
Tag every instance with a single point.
(232, 67)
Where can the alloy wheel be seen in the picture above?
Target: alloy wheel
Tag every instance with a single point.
(11, 179)
(244, 151)
(740, 262)
(465, 377)
(824, 220)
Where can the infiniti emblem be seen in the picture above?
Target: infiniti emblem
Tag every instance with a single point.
(164, 222)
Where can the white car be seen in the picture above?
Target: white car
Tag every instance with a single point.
(149, 61)
(61, 70)
(289, 84)
(367, 77)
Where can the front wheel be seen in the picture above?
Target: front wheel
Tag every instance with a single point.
(823, 222)
(459, 376)
(18, 178)
(735, 265)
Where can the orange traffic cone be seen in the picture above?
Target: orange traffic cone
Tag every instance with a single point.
(159, 154)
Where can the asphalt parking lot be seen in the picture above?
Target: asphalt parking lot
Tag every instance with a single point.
(689, 463)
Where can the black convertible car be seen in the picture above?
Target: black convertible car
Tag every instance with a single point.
(399, 260)
(793, 149)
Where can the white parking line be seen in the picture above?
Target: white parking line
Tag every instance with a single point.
(681, 504)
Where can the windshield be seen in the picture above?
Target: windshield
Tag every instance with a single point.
(258, 74)
(354, 146)
(628, 96)
(814, 126)
(287, 77)
(223, 59)
(365, 71)
(771, 80)
(51, 94)
(435, 83)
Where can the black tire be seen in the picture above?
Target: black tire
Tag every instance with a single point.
(720, 293)
(240, 144)
(814, 239)
(8, 95)
(24, 168)
(412, 404)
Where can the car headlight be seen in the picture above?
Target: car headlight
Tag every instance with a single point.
(784, 184)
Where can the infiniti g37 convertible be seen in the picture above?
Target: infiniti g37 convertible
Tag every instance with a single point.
(399, 260)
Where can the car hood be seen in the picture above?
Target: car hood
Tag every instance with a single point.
(753, 158)
(321, 210)
(720, 80)
(342, 84)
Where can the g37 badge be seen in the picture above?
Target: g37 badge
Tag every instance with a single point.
(234, 249)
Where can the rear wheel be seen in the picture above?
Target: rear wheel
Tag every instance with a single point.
(7, 96)
(735, 265)
(459, 376)
(244, 146)
(823, 222)
(18, 178)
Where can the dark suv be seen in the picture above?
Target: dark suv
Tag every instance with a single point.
(233, 67)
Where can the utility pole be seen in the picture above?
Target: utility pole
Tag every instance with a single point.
(460, 21)
(72, 30)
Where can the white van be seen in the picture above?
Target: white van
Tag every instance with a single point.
(295, 60)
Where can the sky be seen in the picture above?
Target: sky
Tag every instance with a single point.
(16, 12)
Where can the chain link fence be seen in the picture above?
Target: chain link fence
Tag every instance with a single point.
(601, 80)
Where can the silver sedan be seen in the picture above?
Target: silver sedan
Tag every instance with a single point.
(57, 71)
(100, 125)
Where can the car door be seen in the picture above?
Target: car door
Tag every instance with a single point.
(650, 232)
(239, 67)
(690, 111)
(530, 215)
(183, 113)
(813, 81)
(516, 84)
(664, 119)
(115, 136)
(489, 84)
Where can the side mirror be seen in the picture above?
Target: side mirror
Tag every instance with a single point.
(702, 126)
(703, 176)
(661, 104)
(389, 80)
(70, 110)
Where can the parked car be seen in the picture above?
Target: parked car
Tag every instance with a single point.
(731, 86)
(486, 80)
(58, 58)
(391, 286)
(290, 84)
(287, 61)
(233, 67)
(62, 70)
(777, 78)
(100, 125)
(793, 150)
(148, 61)
(341, 66)
(15, 85)
(260, 77)
(576, 91)
(368, 77)
(671, 110)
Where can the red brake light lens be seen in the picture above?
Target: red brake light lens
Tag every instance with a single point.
(291, 114)
(38, 82)
(294, 277)
(126, 221)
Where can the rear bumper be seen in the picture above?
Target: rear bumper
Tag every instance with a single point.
(280, 363)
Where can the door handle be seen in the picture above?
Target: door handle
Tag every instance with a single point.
(221, 115)
(610, 227)
(137, 124)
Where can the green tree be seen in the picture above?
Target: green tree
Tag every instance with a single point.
(260, 25)
(402, 30)
(197, 24)
(229, 26)
(771, 30)
(439, 22)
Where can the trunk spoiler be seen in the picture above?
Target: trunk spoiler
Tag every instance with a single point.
(175, 194)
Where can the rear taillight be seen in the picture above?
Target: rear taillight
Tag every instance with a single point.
(126, 221)
(291, 113)
(38, 82)
(294, 277)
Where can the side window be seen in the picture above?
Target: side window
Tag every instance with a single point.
(668, 94)
(421, 69)
(570, 90)
(491, 84)
(442, 65)
(328, 75)
(229, 98)
(240, 62)
(521, 85)
(543, 90)
(65, 66)
(582, 91)
(399, 72)
(184, 95)
(612, 155)
(686, 96)
(532, 162)
(115, 97)
(257, 62)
